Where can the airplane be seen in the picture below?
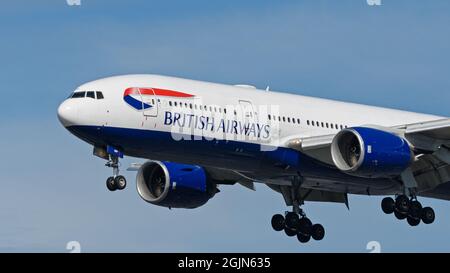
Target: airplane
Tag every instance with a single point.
(198, 136)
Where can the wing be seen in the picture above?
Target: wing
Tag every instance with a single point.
(431, 143)
(432, 136)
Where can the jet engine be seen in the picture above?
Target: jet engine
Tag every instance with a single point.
(174, 185)
(369, 152)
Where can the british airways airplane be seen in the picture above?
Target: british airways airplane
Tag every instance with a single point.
(197, 136)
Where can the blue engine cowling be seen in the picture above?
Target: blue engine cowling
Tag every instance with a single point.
(174, 185)
(369, 152)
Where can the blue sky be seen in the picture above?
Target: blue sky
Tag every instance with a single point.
(53, 189)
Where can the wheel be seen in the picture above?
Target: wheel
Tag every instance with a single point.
(110, 184)
(120, 182)
(278, 222)
(413, 221)
(402, 203)
(427, 215)
(317, 232)
(415, 209)
(305, 226)
(290, 232)
(292, 220)
(388, 205)
(399, 215)
(303, 238)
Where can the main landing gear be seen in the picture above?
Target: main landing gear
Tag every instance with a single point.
(408, 208)
(295, 222)
(115, 182)
(298, 225)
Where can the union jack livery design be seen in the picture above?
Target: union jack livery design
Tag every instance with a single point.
(134, 96)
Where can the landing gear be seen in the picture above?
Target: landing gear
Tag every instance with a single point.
(427, 215)
(292, 220)
(409, 209)
(318, 232)
(110, 184)
(388, 205)
(293, 225)
(278, 222)
(303, 238)
(295, 222)
(115, 182)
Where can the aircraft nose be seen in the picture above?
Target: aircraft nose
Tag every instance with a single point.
(67, 113)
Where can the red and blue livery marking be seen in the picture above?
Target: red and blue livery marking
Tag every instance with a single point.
(133, 96)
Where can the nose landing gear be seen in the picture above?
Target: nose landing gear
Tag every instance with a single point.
(115, 182)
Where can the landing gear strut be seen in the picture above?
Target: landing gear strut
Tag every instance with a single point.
(295, 222)
(115, 182)
(409, 209)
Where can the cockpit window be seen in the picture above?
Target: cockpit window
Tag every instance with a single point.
(99, 95)
(90, 94)
(78, 95)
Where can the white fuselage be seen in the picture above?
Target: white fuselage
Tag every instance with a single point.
(221, 126)
(317, 116)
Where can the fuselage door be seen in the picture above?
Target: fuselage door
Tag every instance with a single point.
(150, 102)
(248, 112)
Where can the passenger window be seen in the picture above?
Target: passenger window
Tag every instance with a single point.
(284, 119)
(99, 95)
(307, 122)
(298, 121)
(78, 95)
(170, 103)
(289, 119)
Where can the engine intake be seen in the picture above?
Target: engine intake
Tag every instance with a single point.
(174, 185)
(369, 152)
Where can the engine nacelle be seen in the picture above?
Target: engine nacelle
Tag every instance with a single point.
(174, 185)
(368, 152)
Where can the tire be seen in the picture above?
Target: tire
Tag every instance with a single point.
(110, 184)
(415, 209)
(305, 226)
(402, 203)
(427, 215)
(290, 232)
(278, 222)
(292, 220)
(303, 238)
(388, 205)
(317, 232)
(120, 182)
(399, 215)
(413, 221)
